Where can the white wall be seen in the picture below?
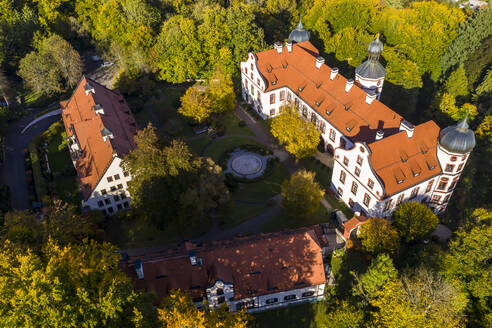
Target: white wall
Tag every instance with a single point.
(96, 196)
(374, 84)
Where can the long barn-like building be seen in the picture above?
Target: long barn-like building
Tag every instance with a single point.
(380, 159)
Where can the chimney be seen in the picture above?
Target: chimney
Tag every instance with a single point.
(407, 127)
(288, 44)
(278, 46)
(319, 61)
(334, 72)
(348, 86)
(379, 135)
(370, 96)
(139, 269)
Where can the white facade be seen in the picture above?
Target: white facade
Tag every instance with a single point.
(111, 193)
(222, 292)
(370, 84)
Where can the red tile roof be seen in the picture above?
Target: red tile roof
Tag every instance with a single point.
(409, 160)
(353, 117)
(297, 69)
(353, 223)
(80, 118)
(255, 265)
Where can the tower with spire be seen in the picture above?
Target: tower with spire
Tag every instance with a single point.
(453, 150)
(299, 34)
(370, 74)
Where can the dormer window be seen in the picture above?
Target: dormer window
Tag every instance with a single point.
(106, 134)
(88, 89)
(98, 109)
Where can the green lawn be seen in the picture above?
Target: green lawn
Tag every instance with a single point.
(336, 204)
(283, 221)
(237, 213)
(231, 122)
(323, 172)
(143, 118)
(216, 149)
(296, 316)
(197, 145)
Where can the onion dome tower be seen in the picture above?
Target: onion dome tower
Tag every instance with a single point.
(370, 74)
(299, 34)
(457, 139)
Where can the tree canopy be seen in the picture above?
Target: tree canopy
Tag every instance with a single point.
(414, 221)
(301, 194)
(378, 236)
(299, 136)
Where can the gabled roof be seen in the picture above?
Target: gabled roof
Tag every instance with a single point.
(402, 162)
(255, 265)
(347, 111)
(81, 119)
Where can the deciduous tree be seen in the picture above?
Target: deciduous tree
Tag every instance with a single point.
(414, 221)
(342, 314)
(377, 275)
(448, 106)
(75, 285)
(423, 299)
(378, 236)
(196, 104)
(301, 194)
(299, 136)
(457, 82)
(221, 91)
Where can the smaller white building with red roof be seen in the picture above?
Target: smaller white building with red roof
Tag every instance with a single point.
(100, 129)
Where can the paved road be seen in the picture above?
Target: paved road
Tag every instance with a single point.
(13, 171)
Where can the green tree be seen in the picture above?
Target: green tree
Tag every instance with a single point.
(188, 186)
(448, 106)
(301, 194)
(486, 85)
(178, 311)
(377, 275)
(414, 221)
(342, 314)
(457, 82)
(299, 136)
(470, 36)
(75, 285)
(484, 130)
(178, 51)
(423, 299)
(221, 92)
(468, 263)
(378, 236)
(196, 104)
(53, 67)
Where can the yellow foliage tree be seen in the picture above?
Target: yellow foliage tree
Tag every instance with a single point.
(196, 104)
(484, 130)
(448, 106)
(301, 194)
(299, 136)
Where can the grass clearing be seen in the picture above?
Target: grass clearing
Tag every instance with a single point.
(284, 221)
(198, 144)
(216, 149)
(295, 316)
(323, 172)
(337, 204)
(143, 118)
(231, 123)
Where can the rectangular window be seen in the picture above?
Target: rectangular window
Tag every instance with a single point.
(110, 179)
(460, 167)
(100, 203)
(251, 75)
(120, 186)
(258, 94)
(123, 195)
(442, 185)
(113, 188)
(332, 135)
(370, 183)
(400, 199)
(246, 70)
(103, 191)
(282, 95)
(126, 204)
(415, 191)
(367, 200)
(322, 127)
(252, 67)
(107, 201)
(308, 294)
(429, 186)
(359, 160)
(290, 297)
(119, 206)
(342, 177)
(436, 199)
(289, 97)
(116, 198)
(126, 174)
(297, 102)
(272, 300)
(354, 188)
(116, 176)
(304, 111)
(351, 203)
(449, 168)
(387, 205)
(258, 82)
(339, 191)
(272, 98)
(272, 111)
(345, 161)
(357, 171)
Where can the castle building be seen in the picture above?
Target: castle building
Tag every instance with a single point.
(100, 130)
(253, 273)
(380, 159)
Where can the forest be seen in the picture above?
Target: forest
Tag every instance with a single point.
(438, 57)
